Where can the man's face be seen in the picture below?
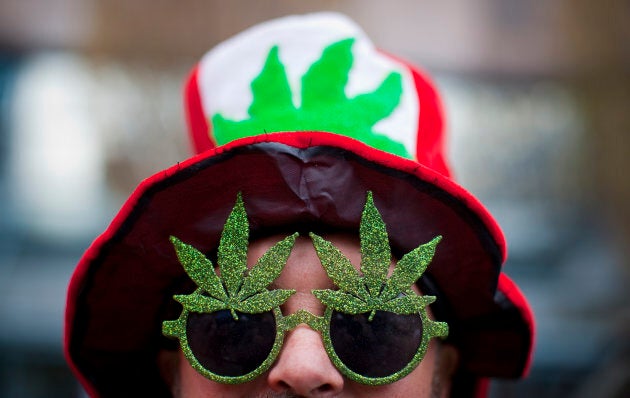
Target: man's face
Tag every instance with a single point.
(303, 367)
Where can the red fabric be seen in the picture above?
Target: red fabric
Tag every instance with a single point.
(430, 149)
(133, 256)
(198, 125)
(306, 140)
(431, 135)
(517, 298)
(483, 387)
(71, 305)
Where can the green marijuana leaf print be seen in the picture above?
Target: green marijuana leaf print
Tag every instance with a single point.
(324, 103)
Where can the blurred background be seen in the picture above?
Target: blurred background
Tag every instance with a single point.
(537, 97)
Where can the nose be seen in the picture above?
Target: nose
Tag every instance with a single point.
(303, 367)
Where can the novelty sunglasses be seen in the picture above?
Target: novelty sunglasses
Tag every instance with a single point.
(375, 328)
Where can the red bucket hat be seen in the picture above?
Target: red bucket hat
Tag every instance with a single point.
(303, 117)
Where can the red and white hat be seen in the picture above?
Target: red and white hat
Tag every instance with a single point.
(303, 116)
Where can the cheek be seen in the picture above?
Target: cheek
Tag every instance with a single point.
(191, 384)
(420, 380)
(416, 384)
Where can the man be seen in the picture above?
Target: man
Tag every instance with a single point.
(315, 246)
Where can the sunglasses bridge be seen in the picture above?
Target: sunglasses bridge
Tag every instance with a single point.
(290, 322)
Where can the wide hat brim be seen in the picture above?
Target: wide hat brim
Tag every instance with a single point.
(289, 181)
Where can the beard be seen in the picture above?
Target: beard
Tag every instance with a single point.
(277, 395)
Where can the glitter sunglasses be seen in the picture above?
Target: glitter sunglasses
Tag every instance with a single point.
(375, 329)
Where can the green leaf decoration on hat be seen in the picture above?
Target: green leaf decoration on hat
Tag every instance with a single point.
(373, 290)
(236, 288)
(324, 107)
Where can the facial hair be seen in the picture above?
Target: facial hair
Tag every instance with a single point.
(278, 395)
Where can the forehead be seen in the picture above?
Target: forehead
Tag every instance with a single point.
(303, 265)
(303, 270)
(303, 250)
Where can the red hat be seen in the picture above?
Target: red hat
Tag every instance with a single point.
(303, 116)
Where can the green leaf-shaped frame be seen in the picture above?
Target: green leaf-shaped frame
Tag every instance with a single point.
(373, 290)
(236, 289)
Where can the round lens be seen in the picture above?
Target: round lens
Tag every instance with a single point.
(376, 348)
(229, 347)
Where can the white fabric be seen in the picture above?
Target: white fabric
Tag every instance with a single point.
(226, 72)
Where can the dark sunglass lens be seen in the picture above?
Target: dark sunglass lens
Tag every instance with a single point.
(376, 348)
(229, 347)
